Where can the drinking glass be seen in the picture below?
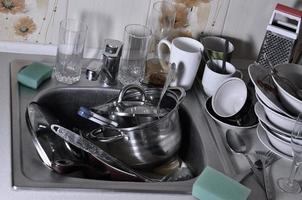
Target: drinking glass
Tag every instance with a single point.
(289, 184)
(136, 44)
(161, 21)
(72, 36)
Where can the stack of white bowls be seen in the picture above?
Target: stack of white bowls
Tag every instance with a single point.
(279, 102)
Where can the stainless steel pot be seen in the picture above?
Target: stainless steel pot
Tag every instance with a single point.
(150, 143)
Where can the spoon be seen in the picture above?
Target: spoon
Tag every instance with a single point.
(225, 51)
(293, 89)
(237, 144)
(169, 79)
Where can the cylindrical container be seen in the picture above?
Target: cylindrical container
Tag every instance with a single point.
(161, 21)
(72, 36)
(136, 44)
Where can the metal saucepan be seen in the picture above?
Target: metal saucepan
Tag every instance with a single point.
(145, 145)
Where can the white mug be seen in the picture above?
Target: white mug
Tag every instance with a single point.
(186, 53)
(211, 79)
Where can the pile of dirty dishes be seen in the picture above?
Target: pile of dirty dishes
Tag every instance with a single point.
(279, 102)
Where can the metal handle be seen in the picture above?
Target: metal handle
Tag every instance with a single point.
(180, 95)
(97, 134)
(131, 87)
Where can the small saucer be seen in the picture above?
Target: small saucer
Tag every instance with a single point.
(248, 121)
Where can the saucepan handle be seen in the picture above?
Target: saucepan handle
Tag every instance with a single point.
(98, 135)
(180, 92)
(131, 87)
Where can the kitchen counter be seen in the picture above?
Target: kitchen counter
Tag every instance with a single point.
(280, 168)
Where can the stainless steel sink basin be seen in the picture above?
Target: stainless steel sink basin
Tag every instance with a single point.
(198, 147)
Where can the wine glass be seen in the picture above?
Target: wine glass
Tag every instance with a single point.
(289, 184)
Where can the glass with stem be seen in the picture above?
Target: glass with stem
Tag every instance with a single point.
(289, 184)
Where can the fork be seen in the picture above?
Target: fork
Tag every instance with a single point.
(267, 158)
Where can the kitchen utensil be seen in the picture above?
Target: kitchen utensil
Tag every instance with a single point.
(225, 50)
(94, 150)
(88, 114)
(263, 119)
(265, 89)
(248, 121)
(47, 145)
(161, 21)
(279, 144)
(230, 97)
(148, 144)
(262, 116)
(65, 166)
(261, 134)
(281, 35)
(136, 45)
(237, 144)
(287, 79)
(72, 36)
(186, 53)
(289, 184)
(282, 122)
(217, 47)
(266, 160)
(170, 77)
(212, 78)
(291, 88)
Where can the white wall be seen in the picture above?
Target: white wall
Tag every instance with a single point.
(244, 21)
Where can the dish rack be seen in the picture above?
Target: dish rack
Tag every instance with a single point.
(281, 36)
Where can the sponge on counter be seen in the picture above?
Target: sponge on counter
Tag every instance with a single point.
(213, 185)
(34, 74)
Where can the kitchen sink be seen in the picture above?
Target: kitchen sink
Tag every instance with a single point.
(198, 147)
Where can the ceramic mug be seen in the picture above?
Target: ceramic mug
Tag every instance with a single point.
(216, 45)
(186, 53)
(213, 76)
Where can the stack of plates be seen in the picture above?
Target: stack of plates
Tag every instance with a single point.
(275, 121)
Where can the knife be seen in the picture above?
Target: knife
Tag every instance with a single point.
(94, 150)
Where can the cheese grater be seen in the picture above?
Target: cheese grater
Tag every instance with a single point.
(281, 35)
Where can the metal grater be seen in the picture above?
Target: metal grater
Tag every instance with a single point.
(280, 38)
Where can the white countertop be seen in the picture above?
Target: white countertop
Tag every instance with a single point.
(7, 191)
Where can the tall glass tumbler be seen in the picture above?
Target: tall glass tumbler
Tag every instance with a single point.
(161, 21)
(136, 44)
(72, 36)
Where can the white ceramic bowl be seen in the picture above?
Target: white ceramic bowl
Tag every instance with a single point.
(230, 97)
(279, 120)
(279, 144)
(265, 89)
(285, 138)
(225, 125)
(259, 110)
(293, 73)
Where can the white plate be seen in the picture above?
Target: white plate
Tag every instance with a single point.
(259, 110)
(265, 141)
(279, 120)
(257, 74)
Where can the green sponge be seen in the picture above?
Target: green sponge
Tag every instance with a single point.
(34, 74)
(213, 185)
